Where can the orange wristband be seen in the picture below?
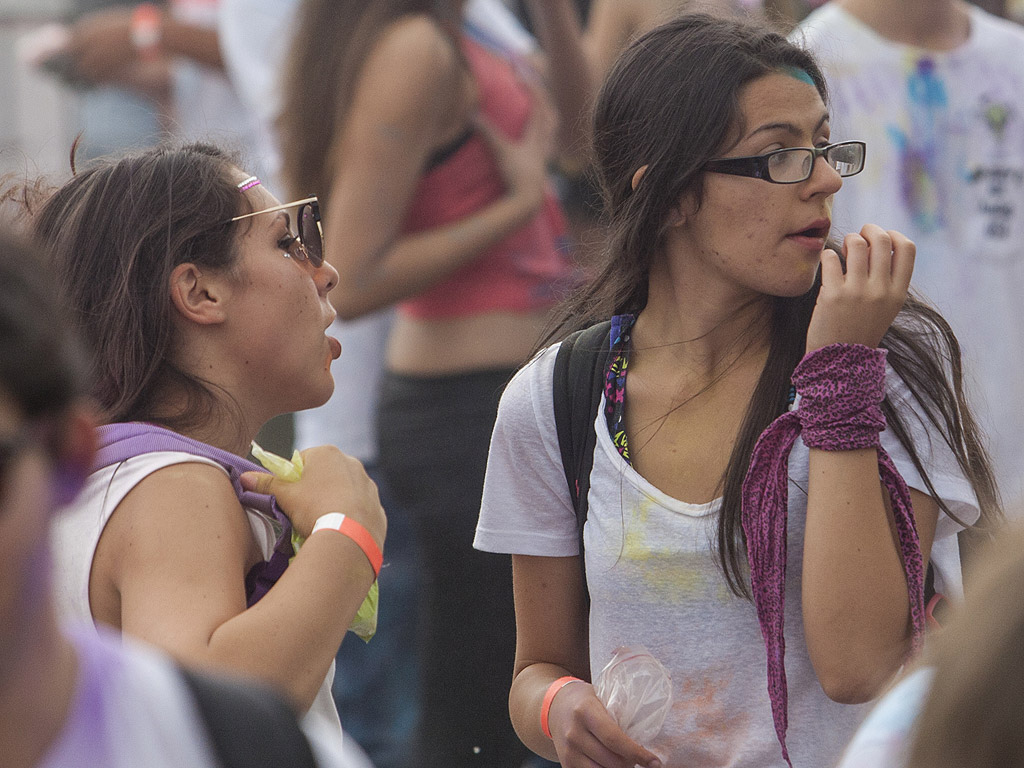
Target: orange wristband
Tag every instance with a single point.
(549, 696)
(335, 521)
(146, 30)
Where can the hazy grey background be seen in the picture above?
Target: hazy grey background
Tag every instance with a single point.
(39, 116)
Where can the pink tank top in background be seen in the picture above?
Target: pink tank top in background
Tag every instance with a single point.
(528, 270)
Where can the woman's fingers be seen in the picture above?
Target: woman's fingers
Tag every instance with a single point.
(587, 735)
(858, 258)
(858, 305)
(831, 269)
(904, 253)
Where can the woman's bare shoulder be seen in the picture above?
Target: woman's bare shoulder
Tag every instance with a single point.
(416, 48)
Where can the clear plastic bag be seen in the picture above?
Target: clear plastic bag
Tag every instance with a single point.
(637, 691)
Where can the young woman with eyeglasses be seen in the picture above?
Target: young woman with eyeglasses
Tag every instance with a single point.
(206, 316)
(782, 446)
(429, 153)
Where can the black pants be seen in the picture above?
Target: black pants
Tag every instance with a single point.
(434, 434)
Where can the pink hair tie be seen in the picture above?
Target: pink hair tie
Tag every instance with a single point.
(841, 389)
(249, 183)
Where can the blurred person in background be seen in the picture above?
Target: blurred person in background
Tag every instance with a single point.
(961, 706)
(167, 52)
(431, 159)
(936, 88)
(376, 684)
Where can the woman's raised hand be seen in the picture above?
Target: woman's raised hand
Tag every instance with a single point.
(524, 163)
(859, 306)
(586, 736)
(331, 482)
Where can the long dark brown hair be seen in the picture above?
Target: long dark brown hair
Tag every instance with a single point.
(671, 103)
(333, 39)
(115, 232)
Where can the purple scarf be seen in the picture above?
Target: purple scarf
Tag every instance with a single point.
(841, 388)
(122, 441)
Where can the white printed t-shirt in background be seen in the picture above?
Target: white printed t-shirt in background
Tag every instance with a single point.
(944, 166)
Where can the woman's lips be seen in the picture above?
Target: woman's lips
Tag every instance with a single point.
(335, 347)
(814, 242)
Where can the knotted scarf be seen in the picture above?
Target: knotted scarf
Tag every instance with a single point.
(122, 441)
(840, 389)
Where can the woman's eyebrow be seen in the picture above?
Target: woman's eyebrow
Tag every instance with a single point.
(791, 128)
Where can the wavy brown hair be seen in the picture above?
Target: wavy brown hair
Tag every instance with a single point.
(671, 103)
(115, 232)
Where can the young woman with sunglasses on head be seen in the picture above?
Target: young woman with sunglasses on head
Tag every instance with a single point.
(71, 696)
(430, 158)
(713, 149)
(206, 317)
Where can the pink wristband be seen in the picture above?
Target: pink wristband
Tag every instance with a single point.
(549, 696)
(335, 521)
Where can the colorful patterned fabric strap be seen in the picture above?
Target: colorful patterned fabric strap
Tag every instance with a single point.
(841, 388)
(621, 340)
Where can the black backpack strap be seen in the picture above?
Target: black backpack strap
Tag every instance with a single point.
(249, 725)
(578, 382)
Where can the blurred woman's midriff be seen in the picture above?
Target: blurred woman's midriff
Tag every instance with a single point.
(442, 346)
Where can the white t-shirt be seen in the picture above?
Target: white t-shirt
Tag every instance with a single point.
(945, 166)
(206, 106)
(132, 708)
(654, 581)
(76, 530)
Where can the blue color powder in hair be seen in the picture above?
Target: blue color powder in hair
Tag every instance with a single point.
(799, 74)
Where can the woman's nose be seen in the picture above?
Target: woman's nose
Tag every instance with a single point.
(325, 277)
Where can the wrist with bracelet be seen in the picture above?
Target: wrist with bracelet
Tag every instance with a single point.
(347, 526)
(145, 30)
(549, 696)
(840, 389)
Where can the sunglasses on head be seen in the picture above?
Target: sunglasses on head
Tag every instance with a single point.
(309, 243)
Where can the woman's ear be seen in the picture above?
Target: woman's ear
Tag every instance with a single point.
(198, 294)
(681, 212)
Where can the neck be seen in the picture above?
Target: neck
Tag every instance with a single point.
(228, 426)
(37, 685)
(703, 326)
(932, 24)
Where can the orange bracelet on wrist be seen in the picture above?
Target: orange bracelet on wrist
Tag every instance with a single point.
(146, 30)
(335, 521)
(549, 696)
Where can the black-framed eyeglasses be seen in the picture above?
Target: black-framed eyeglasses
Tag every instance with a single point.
(793, 164)
(309, 243)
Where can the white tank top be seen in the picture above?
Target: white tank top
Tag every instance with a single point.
(76, 531)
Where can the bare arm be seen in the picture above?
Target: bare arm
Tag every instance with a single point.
(410, 92)
(571, 77)
(103, 52)
(855, 600)
(613, 23)
(552, 642)
(177, 549)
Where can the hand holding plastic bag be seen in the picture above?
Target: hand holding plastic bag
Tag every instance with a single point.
(365, 622)
(637, 691)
